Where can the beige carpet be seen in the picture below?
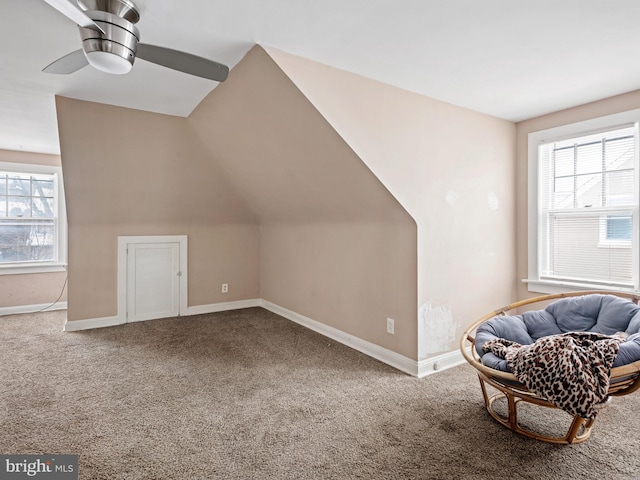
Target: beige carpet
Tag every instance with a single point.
(250, 395)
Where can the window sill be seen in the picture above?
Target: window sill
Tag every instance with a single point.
(552, 286)
(22, 269)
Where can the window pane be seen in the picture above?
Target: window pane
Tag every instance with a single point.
(589, 158)
(564, 185)
(3, 207)
(563, 162)
(588, 191)
(20, 207)
(563, 194)
(3, 184)
(619, 188)
(26, 241)
(42, 188)
(619, 228)
(42, 208)
(619, 154)
(19, 185)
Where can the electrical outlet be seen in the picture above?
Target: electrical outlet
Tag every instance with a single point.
(391, 325)
(225, 288)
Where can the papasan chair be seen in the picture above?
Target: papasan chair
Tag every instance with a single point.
(575, 352)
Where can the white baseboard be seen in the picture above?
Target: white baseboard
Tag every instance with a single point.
(439, 363)
(32, 308)
(391, 358)
(87, 324)
(90, 323)
(224, 306)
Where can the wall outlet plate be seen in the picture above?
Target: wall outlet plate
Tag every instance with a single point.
(391, 325)
(225, 288)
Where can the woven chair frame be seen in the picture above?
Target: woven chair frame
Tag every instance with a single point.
(623, 380)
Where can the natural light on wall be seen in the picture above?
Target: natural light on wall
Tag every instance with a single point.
(588, 209)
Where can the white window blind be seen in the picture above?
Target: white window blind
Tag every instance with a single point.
(588, 209)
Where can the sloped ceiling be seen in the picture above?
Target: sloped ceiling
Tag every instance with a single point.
(285, 159)
(511, 59)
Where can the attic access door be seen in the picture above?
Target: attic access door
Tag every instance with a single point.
(153, 272)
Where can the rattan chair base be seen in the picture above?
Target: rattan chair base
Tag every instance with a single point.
(578, 431)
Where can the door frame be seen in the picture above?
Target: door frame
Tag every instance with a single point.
(124, 242)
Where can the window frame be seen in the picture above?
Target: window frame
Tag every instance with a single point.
(59, 263)
(534, 281)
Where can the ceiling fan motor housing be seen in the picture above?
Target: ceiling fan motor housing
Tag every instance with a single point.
(115, 50)
(122, 8)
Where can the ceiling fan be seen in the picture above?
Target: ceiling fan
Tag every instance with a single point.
(110, 42)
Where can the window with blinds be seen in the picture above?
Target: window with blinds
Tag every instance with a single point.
(588, 209)
(27, 217)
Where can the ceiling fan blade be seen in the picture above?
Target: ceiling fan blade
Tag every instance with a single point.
(183, 62)
(74, 14)
(68, 64)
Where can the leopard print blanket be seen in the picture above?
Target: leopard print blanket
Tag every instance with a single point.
(570, 370)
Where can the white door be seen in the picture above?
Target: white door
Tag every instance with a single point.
(153, 281)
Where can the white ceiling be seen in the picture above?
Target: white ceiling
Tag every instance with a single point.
(513, 59)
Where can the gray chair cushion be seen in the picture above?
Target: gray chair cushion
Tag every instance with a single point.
(605, 314)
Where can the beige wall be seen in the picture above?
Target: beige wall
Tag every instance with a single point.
(609, 106)
(128, 172)
(452, 169)
(350, 276)
(31, 289)
(335, 245)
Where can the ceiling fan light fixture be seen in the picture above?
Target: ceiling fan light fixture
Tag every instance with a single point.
(110, 42)
(109, 62)
(108, 56)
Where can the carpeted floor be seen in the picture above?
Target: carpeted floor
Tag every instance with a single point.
(250, 395)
